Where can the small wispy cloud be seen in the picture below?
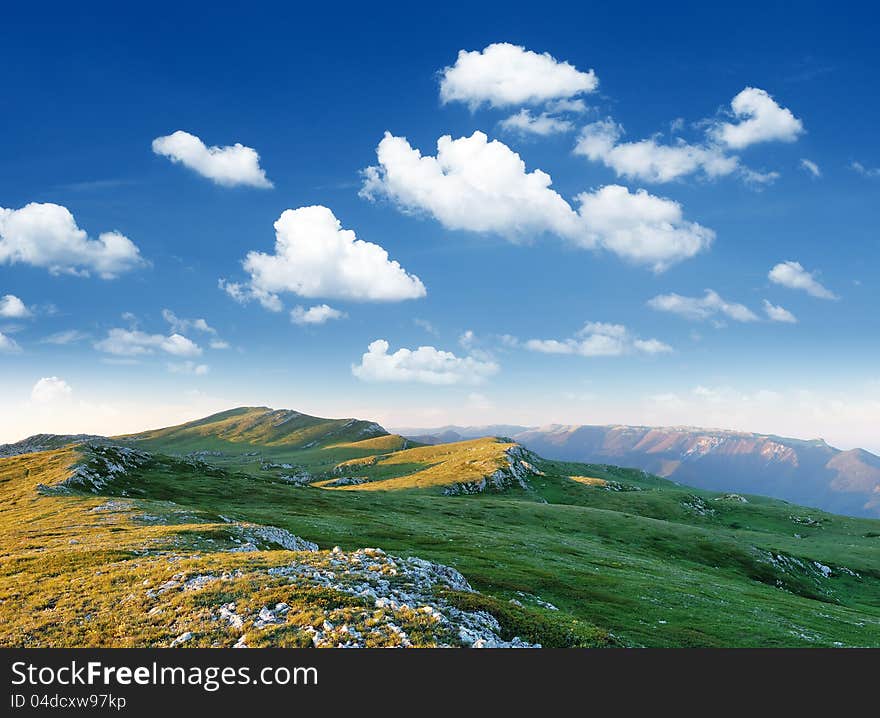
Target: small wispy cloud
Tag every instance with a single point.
(811, 167)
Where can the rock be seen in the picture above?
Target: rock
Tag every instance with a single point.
(182, 638)
(199, 582)
(272, 537)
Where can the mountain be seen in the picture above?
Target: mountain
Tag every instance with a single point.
(451, 432)
(261, 527)
(811, 473)
(258, 426)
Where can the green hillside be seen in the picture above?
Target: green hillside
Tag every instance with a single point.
(558, 554)
(274, 429)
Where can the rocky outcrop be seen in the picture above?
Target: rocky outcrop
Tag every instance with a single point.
(397, 595)
(347, 481)
(44, 442)
(256, 537)
(520, 467)
(99, 466)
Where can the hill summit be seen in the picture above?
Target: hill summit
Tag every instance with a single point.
(260, 426)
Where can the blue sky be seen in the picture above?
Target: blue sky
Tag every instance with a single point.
(585, 298)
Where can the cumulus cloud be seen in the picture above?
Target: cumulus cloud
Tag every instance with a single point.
(188, 367)
(472, 184)
(759, 119)
(319, 314)
(8, 345)
(648, 159)
(46, 235)
(542, 125)
(640, 227)
(480, 186)
(811, 167)
(792, 275)
(778, 314)
(503, 74)
(227, 166)
(599, 339)
(701, 308)
(219, 344)
(315, 257)
(49, 389)
(11, 307)
(426, 364)
(133, 342)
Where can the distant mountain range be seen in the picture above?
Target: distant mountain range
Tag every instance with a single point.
(805, 472)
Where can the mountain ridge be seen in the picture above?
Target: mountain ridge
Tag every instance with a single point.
(181, 538)
(804, 471)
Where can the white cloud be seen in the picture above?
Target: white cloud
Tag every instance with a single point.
(69, 336)
(794, 276)
(188, 367)
(647, 159)
(244, 293)
(640, 227)
(811, 167)
(760, 119)
(599, 339)
(180, 325)
(701, 308)
(865, 171)
(574, 106)
(8, 345)
(425, 364)
(472, 184)
(49, 389)
(46, 235)
(503, 74)
(219, 344)
(319, 314)
(315, 257)
(480, 186)
(758, 179)
(779, 314)
(542, 125)
(227, 166)
(132, 342)
(11, 307)
(652, 346)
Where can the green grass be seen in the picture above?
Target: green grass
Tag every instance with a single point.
(627, 558)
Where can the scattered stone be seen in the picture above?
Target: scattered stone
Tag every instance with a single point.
(182, 638)
(732, 497)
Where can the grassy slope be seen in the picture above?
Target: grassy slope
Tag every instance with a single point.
(239, 430)
(77, 567)
(663, 565)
